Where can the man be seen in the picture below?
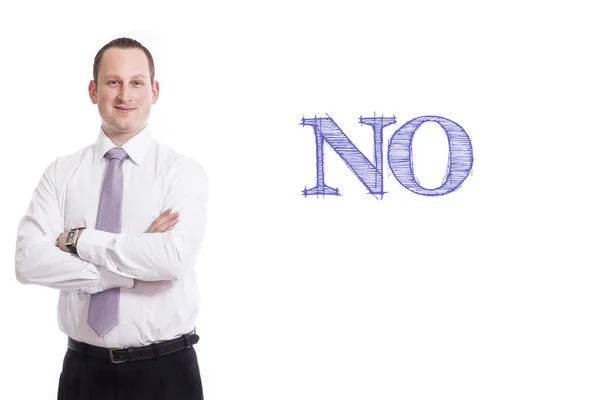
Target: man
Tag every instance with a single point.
(117, 227)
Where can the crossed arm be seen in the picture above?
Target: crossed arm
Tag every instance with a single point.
(164, 223)
(165, 251)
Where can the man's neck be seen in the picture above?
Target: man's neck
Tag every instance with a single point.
(119, 139)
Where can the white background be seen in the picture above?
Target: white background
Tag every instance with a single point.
(490, 292)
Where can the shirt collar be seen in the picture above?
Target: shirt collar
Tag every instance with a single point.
(136, 147)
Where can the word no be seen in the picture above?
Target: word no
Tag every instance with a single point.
(460, 159)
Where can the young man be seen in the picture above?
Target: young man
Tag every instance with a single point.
(117, 227)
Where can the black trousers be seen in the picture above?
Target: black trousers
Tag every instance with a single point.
(174, 376)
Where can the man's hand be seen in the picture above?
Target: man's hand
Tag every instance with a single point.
(164, 223)
(61, 242)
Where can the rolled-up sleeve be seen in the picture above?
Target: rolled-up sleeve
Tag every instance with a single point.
(39, 261)
(157, 256)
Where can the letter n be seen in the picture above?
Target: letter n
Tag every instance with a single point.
(371, 176)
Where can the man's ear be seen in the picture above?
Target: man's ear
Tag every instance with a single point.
(93, 91)
(155, 90)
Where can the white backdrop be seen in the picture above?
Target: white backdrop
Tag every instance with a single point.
(490, 292)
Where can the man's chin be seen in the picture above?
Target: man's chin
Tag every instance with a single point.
(120, 129)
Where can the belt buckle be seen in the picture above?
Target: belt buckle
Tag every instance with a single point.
(110, 353)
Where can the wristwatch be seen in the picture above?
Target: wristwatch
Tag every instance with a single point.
(71, 239)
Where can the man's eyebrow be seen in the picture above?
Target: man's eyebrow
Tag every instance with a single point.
(109, 76)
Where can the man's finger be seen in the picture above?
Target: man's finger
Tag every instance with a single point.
(162, 222)
(153, 227)
(162, 227)
(168, 224)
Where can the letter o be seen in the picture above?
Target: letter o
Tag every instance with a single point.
(460, 158)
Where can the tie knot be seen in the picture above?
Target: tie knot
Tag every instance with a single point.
(116, 152)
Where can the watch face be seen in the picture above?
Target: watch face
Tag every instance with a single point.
(69, 238)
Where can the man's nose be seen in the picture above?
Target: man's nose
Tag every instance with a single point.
(125, 94)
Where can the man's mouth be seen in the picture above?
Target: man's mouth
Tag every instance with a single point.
(124, 110)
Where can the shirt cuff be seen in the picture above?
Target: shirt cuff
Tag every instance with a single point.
(111, 280)
(92, 245)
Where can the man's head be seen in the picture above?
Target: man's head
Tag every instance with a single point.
(123, 87)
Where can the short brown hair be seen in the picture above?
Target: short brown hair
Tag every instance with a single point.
(123, 43)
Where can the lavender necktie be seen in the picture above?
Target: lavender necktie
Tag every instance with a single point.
(103, 314)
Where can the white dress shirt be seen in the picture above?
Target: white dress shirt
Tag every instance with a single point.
(155, 271)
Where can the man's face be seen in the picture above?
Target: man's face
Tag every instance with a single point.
(123, 93)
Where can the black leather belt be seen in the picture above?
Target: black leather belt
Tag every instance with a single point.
(118, 355)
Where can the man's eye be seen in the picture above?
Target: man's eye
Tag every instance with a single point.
(137, 83)
(113, 82)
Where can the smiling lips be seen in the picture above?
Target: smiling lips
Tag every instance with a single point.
(124, 110)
